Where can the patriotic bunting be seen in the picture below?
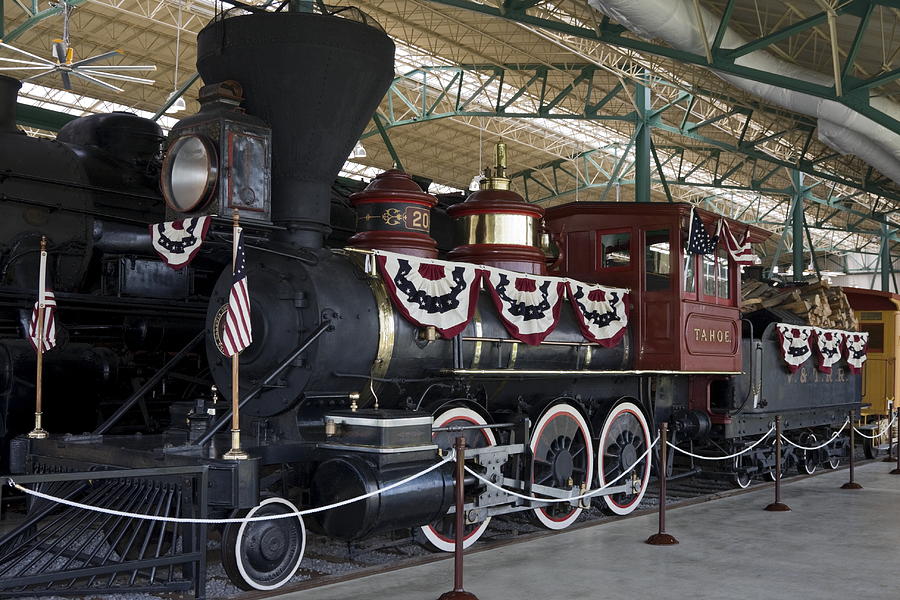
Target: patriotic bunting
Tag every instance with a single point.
(741, 252)
(602, 312)
(431, 293)
(828, 348)
(178, 242)
(856, 345)
(795, 344)
(799, 342)
(49, 338)
(528, 304)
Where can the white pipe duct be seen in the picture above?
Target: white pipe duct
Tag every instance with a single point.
(839, 127)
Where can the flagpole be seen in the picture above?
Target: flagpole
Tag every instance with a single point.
(236, 453)
(39, 432)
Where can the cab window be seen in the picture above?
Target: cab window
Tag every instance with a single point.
(615, 250)
(657, 260)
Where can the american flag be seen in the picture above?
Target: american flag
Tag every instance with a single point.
(237, 333)
(49, 336)
(700, 242)
(741, 252)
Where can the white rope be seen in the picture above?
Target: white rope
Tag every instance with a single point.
(880, 433)
(744, 451)
(299, 513)
(593, 492)
(823, 444)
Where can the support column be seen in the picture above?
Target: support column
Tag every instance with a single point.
(885, 260)
(797, 220)
(642, 155)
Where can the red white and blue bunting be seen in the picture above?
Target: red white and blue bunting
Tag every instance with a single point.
(828, 348)
(799, 342)
(528, 304)
(178, 242)
(429, 292)
(795, 344)
(856, 344)
(442, 294)
(602, 312)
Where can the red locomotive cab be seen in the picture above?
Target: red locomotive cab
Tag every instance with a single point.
(685, 306)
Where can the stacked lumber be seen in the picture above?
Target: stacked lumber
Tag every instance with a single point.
(818, 304)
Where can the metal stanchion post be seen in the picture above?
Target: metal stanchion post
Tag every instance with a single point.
(897, 470)
(458, 593)
(778, 505)
(661, 538)
(852, 485)
(890, 455)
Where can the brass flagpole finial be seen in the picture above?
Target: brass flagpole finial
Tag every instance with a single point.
(39, 433)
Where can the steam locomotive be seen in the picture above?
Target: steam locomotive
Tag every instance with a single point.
(343, 391)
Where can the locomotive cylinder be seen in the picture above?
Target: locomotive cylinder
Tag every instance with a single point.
(421, 501)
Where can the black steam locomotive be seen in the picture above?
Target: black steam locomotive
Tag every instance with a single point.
(341, 394)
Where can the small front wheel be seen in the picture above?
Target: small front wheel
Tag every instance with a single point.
(264, 555)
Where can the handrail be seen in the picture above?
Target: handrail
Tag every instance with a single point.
(148, 385)
(226, 416)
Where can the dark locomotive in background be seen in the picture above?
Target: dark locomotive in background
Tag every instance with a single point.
(340, 393)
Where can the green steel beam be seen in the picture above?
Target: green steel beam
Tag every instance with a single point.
(398, 164)
(885, 259)
(797, 222)
(37, 17)
(415, 85)
(876, 81)
(613, 34)
(854, 46)
(176, 95)
(642, 144)
(723, 26)
(41, 118)
(777, 36)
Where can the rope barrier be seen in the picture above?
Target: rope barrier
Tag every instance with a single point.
(593, 492)
(118, 513)
(823, 444)
(744, 451)
(880, 433)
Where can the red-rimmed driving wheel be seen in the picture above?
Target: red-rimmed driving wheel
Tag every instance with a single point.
(442, 534)
(624, 438)
(563, 457)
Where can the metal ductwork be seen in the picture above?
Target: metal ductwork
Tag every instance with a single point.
(9, 91)
(841, 128)
(316, 80)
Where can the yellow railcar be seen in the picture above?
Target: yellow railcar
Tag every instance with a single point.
(878, 314)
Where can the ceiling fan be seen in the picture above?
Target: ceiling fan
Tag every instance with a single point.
(65, 64)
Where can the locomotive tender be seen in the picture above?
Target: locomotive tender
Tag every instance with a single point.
(341, 394)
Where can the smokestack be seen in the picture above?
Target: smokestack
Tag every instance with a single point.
(316, 80)
(9, 91)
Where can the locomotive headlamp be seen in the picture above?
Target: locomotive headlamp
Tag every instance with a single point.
(189, 173)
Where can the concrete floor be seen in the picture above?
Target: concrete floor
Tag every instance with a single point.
(834, 544)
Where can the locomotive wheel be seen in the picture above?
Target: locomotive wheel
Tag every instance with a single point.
(624, 438)
(809, 459)
(741, 478)
(834, 462)
(562, 451)
(263, 555)
(442, 534)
